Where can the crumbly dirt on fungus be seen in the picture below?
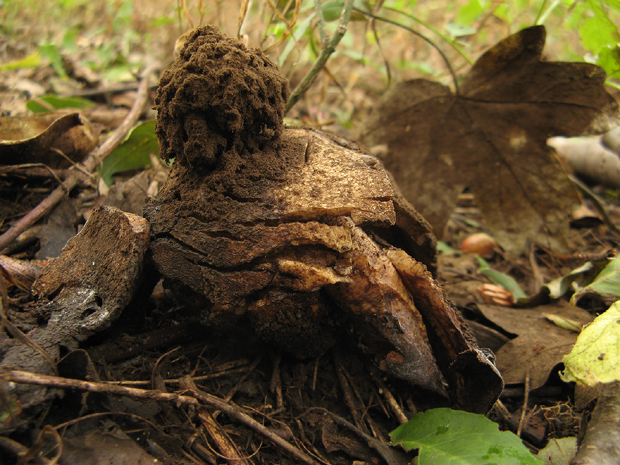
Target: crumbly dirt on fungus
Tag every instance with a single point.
(218, 97)
(291, 230)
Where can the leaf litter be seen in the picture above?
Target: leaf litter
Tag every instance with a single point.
(300, 383)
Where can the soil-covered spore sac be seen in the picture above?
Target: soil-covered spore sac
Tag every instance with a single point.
(218, 96)
(293, 231)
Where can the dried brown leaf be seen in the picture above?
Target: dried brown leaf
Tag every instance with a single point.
(39, 138)
(491, 138)
(539, 345)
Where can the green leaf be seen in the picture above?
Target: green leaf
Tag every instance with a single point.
(598, 32)
(56, 103)
(332, 9)
(501, 279)
(8, 411)
(51, 52)
(30, 61)
(132, 154)
(607, 283)
(470, 12)
(456, 30)
(609, 60)
(69, 41)
(448, 437)
(443, 247)
(594, 358)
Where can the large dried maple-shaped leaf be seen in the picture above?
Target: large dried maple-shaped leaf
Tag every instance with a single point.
(491, 137)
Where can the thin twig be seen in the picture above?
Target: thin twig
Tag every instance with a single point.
(421, 36)
(91, 162)
(230, 409)
(526, 398)
(390, 455)
(17, 333)
(396, 409)
(349, 397)
(225, 444)
(327, 48)
(451, 42)
(538, 278)
(318, 6)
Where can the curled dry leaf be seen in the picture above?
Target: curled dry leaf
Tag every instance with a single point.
(39, 138)
(295, 231)
(539, 345)
(491, 137)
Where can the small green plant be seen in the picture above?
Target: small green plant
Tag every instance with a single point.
(53, 102)
(132, 154)
(447, 437)
(606, 283)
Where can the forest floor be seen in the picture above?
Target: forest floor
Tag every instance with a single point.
(330, 409)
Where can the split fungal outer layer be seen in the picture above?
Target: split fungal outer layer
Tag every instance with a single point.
(294, 230)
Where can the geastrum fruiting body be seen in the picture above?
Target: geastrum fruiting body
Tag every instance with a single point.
(295, 231)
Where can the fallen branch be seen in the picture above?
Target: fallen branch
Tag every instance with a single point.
(195, 399)
(91, 162)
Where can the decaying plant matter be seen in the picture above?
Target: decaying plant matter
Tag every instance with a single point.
(296, 231)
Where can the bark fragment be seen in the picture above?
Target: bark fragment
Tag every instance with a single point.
(84, 291)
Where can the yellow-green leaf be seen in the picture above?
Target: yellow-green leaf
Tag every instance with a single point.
(28, 62)
(565, 323)
(594, 358)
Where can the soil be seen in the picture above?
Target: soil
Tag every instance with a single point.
(218, 97)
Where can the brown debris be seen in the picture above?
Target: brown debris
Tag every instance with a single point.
(83, 291)
(248, 114)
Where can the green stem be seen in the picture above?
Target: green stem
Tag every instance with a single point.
(450, 40)
(426, 39)
(328, 46)
(545, 15)
(321, 20)
(612, 84)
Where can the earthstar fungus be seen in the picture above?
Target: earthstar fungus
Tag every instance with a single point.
(296, 231)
